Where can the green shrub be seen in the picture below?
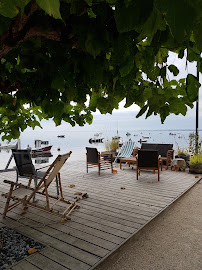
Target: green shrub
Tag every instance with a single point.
(196, 159)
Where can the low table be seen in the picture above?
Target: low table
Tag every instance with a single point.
(129, 160)
(178, 163)
(108, 153)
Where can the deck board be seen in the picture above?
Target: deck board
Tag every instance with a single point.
(118, 206)
(24, 265)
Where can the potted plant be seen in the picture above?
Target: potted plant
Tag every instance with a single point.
(112, 145)
(182, 153)
(195, 164)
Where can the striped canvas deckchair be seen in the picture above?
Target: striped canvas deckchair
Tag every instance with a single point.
(126, 150)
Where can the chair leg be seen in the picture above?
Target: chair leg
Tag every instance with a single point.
(30, 181)
(8, 200)
(17, 176)
(98, 168)
(57, 185)
(60, 185)
(137, 173)
(158, 175)
(47, 198)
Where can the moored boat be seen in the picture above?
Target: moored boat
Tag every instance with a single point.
(96, 140)
(41, 149)
(97, 134)
(142, 141)
(8, 146)
(12, 145)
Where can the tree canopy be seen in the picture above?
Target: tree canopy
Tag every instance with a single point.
(56, 53)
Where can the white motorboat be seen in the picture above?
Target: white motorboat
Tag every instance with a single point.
(8, 145)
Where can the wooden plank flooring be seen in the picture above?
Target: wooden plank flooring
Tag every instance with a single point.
(118, 206)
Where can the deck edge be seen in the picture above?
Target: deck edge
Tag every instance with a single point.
(114, 254)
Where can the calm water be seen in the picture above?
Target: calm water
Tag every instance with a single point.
(77, 138)
(76, 141)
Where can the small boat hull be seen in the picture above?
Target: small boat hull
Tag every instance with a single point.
(91, 140)
(42, 150)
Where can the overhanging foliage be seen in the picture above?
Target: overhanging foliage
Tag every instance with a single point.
(54, 52)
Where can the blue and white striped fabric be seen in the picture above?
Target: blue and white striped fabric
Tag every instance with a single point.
(126, 150)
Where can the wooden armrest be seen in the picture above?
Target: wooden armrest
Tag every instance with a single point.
(17, 185)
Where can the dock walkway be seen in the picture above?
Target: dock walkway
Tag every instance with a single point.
(117, 208)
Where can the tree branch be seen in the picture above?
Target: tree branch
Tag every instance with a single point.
(22, 29)
(6, 87)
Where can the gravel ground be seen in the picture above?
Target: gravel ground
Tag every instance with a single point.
(14, 247)
(172, 242)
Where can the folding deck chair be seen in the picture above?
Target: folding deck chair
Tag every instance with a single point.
(23, 194)
(126, 150)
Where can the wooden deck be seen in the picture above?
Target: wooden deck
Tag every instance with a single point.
(118, 207)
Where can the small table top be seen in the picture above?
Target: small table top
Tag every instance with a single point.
(107, 153)
(130, 160)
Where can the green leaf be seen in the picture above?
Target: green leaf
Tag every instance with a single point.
(8, 8)
(89, 2)
(52, 7)
(163, 72)
(122, 47)
(155, 22)
(58, 83)
(147, 93)
(92, 45)
(21, 4)
(174, 70)
(181, 53)
(126, 67)
(197, 34)
(192, 87)
(132, 16)
(91, 14)
(179, 15)
(111, 1)
(142, 111)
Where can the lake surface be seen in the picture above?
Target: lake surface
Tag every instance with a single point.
(77, 138)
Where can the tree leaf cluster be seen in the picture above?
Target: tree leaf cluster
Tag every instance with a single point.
(58, 54)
